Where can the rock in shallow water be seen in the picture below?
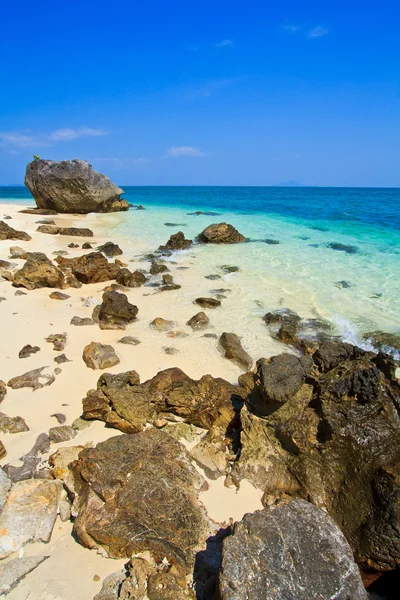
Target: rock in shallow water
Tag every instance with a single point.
(198, 321)
(221, 233)
(208, 302)
(291, 551)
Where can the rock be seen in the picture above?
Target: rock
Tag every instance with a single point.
(8, 233)
(81, 321)
(87, 246)
(15, 570)
(27, 350)
(38, 272)
(3, 451)
(72, 245)
(76, 231)
(120, 263)
(59, 296)
(64, 511)
(4, 264)
(63, 433)
(72, 186)
(177, 334)
(58, 340)
(123, 402)
(343, 247)
(12, 424)
(116, 312)
(110, 249)
(151, 504)
(171, 351)
(221, 233)
(28, 514)
(5, 486)
(99, 356)
(293, 550)
(229, 268)
(51, 229)
(177, 241)
(46, 222)
(128, 339)
(162, 324)
(34, 379)
(79, 424)
(208, 302)
(271, 242)
(212, 277)
(89, 268)
(384, 341)
(235, 351)
(211, 454)
(157, 268)
(20, 293)
(3, 390)
(39, 211)
(127, 278)
(60, 418)
(61, 359)
(31, 461)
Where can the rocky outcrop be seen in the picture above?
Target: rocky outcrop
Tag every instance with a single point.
(123, 402)
(100, 356)
(37, 272)
(177, 241)
(329, 431)
(8, 233)
(234, 350)
(115, 312)
(137, 493)
(128, 279)
(221, 233)
(89, 268)
(293, 550)
(72, 186)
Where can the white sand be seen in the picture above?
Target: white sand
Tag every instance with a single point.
(30, 318)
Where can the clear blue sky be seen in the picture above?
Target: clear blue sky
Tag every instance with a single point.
(204, 92)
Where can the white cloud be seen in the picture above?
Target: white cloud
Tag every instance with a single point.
(318, 31)
(224, 43)
(292, 28)
(177, 151)
(26, 139)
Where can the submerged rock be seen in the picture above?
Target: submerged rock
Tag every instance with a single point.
(235, 351)
(115, 312)
(343, 247)
(221, 233)
(89, 268)
(100, 356)
(8, 233)
(17, 252)
(294, 551)
(72, 186)
(39, 272)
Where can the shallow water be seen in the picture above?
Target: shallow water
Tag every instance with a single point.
(338, 255)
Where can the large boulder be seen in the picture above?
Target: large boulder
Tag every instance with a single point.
(221, 233)
(123, 402)
(38, 272)
(89, 268)
(332, 437)
(115, 312)
(140, 492)
(291, 551)
(72, 186)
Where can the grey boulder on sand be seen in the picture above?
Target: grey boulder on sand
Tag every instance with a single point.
(72, 186)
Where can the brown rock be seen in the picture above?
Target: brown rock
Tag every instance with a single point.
(110, 249)
(59, 296)
(58, 340)
(157, 268)
(12, 424)
(235, 351)
(3, 390)
(39, 211)
(34, 379)
(17, 252)
(3, 451)
(27, 350)
(177, 241)
(8, 233)
(89, 268)
(62, 433)
(82, 321)
(127, 278)
(115, 312)
(198, 321)
(208, 302)
(162, 324)
(128, 339)
(38, 272)
(100, 356)
(221, 233)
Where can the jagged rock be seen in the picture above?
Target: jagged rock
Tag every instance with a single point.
(162, 324)
(151, 504)
(27, 350)
(157, 268)
(59, 296)
(60, 418)
(177, 241)
(8, 233)
(126, 404)
(63, 433)
(60, 462)
(211, 454)
(143, 577)
(72, 186)
(293, 550)
(15, 570)
(87, 246)
(34, 379)
(208, 302)
(333, 437)
(58, 340)
(221, 233)
(110, 249)
(128, 279)
(31, 461)
(115, 312)
(28, 514)
(5, 486)
(120, 263)
(61, 359)
(81, 321)
(89, 268)
(3, 451)
(99, 356)
(38, 272)
(12, 424)
(128, 339)
(235, 351)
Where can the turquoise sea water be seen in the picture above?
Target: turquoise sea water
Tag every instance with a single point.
(338, 254)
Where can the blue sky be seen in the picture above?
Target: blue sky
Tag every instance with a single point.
(204, 93)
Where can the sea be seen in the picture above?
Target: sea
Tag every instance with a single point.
(329, 253)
